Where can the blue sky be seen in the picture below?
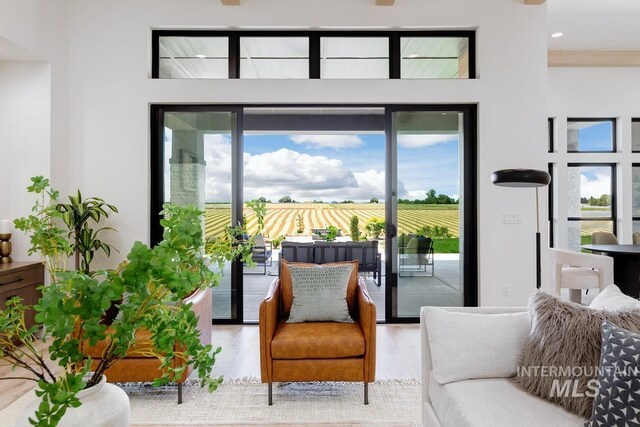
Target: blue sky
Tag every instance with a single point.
(596, 137)
(328, 167)
(424, 162)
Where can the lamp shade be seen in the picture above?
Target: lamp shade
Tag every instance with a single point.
(520, 178)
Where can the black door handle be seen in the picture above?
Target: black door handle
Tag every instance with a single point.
(392, 231)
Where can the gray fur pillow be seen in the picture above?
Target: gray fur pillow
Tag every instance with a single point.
(561, 359)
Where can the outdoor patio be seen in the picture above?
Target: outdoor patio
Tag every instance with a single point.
(443, 289)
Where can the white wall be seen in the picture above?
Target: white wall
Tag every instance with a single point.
(33, 103)
(602, 93)
(110, 92)
(24, 131)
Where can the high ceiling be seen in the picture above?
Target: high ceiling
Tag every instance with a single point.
(594, 24)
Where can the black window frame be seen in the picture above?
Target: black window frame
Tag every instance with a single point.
(634, 218)
(550, 128)
(614, 145)
(314, 45)
(634, 120)
(551, 205)
(614, 214)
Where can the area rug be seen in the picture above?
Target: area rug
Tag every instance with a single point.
(243, 402)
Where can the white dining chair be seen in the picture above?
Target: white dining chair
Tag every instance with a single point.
(577, 271)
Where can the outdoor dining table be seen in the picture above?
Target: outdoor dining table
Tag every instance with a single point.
(626, 265)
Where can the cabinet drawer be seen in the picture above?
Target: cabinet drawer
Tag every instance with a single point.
(15, 280)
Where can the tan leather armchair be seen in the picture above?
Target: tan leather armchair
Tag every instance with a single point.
(317, 351)
(137, 366)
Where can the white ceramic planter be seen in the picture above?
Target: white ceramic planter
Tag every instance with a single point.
(103, 405)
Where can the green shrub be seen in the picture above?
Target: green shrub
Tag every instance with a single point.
(354, 228)
(375, 227)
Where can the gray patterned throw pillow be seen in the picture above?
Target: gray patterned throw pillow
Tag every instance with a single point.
(617, 400)
(319, 294)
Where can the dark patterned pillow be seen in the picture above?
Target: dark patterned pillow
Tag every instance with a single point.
(617, 400)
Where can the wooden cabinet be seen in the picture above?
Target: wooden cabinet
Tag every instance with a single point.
(21, 279)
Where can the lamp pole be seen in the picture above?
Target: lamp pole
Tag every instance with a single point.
(526, 178)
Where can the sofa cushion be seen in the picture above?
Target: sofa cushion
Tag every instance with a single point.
(319, 293)
(484, 345)
(617, 401)
(494, 402)
(317, 340)
(612, 298)
(286, 285)
(563, 350)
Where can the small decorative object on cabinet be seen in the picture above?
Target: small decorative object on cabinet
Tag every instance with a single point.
(5, 241)
(21, 279)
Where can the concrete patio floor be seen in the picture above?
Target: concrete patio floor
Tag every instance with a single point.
(414, 291)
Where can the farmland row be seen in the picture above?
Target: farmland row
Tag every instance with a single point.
(281, 219)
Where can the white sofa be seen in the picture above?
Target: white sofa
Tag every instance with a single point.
(485, 401)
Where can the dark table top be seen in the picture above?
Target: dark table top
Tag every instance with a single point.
(614, 249)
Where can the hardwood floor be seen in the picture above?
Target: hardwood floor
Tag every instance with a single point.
(397, 350)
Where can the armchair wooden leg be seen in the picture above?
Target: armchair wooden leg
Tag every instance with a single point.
(179, 393)
(270, 388)
(366, 393)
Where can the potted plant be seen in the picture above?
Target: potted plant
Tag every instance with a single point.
(77, 215)
(154, 282)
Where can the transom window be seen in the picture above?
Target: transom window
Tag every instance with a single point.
(591, 135)
(313, 54)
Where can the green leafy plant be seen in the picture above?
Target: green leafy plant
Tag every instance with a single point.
(77, 216)
(260, 209)
(155, 281)
(374, 227)
(276, 242)
(435, 232)
(46, 238)
(332, 233)
(354, 228)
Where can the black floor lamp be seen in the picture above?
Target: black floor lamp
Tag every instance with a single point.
(525, 178)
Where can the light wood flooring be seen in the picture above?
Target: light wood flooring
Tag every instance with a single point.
(397, 350)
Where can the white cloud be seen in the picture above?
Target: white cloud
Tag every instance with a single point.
(328, 141)
(290, 173)
(596, 187)
(217, 154)
(424, 140)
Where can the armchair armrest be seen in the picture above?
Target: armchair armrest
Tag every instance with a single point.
(367, 321)
(269, 317)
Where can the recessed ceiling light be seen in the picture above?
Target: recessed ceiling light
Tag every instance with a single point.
(413, 55)
(556, 35)
(201, 56)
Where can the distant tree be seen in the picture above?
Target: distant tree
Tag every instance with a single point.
(263, 199)
(605, 200)
(286, 199)
(584, 200)
(354, 228)
(374, 200)
(432, 198)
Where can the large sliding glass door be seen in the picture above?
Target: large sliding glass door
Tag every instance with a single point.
(321, 167)
(430, 210)
(196, 164)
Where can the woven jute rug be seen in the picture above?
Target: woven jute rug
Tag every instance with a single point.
(243, 402)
